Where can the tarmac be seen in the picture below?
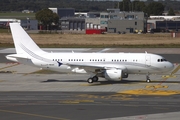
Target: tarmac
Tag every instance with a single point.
(132, 98)
(23, 79)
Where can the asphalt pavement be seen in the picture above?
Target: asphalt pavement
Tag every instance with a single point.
(31, 96)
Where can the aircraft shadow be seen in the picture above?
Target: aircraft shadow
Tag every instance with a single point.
(143, 81)
(53, 80)
(99, 82)
(110, 82)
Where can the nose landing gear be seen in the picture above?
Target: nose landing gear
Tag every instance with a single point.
(148, 80)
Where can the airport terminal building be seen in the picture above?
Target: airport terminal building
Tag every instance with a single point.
(28, 24)
(111, 21)
(163, 23)
(72, 23)
(127, 22)
(115, 21)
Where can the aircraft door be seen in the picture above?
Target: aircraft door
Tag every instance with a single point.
(148, 60)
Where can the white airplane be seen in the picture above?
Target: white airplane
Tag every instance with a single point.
(111, 66)
(165, 17)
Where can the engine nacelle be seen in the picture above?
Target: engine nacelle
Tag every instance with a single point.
(113, 74)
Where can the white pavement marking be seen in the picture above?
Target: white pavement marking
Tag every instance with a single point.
(104, 50)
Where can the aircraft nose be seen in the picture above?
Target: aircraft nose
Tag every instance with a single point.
(171, 66)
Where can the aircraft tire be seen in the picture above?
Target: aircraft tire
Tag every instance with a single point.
(95, 78)
(90, 80)
(148, 80)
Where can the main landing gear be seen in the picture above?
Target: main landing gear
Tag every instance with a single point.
(92, 79)
(148, 80)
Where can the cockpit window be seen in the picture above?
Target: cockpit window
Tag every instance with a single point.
(164, 59)
(161, 60)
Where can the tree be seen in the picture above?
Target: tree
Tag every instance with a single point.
(47, 18)
(138, 6)
(171, 12)
(125, 5)
(154, 8)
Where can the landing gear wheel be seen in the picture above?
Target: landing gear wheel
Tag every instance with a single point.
(95, 78)
(90, 80)
(148, 80)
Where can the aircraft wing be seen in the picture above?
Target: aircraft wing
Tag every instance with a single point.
(95, 67)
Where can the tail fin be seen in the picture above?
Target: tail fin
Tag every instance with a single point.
(22, 41)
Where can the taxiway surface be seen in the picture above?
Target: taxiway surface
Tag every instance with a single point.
(29, 96)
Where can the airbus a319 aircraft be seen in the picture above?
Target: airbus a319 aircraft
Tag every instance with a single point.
(111, 66)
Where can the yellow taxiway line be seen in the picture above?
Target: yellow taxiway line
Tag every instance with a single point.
(175, 70)
(150, 92)
(9, 66)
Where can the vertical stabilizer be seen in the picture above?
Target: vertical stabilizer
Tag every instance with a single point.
(22, 41)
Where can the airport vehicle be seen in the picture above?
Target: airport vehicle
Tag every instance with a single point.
(111, 66)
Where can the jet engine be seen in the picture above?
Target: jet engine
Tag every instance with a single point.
(114, 74)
